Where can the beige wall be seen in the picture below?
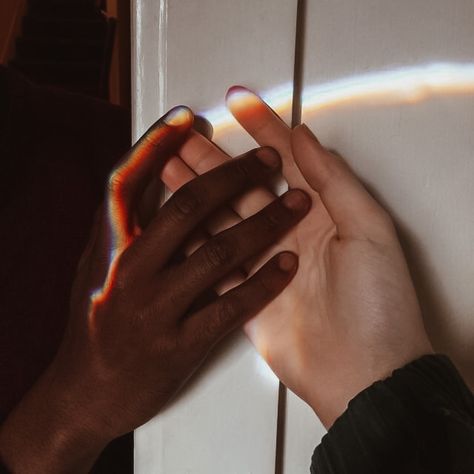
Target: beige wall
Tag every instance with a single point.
(11, 12)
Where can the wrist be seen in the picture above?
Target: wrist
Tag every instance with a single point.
(49, 432)
(340, 388)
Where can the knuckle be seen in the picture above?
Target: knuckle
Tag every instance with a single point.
(241, 170)
(175, 299)
(115, 182)
(122, 277)
(264, 285)
(123, 270)
(272, 219)
(227, 310)
(184, 203)
(218, 252)
(168, 344)
(334, 168)
(226, 313)
(385, 221)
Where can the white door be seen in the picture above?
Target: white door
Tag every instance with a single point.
(390, 85)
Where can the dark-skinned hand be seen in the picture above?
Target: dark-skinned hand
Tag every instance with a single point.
(135, 334)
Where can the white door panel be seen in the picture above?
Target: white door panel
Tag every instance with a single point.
(407, 131)
(225, 421)
(415, 151)
(409, 135)
(303, 432)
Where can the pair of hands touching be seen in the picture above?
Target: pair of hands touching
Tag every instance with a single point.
(317, 277)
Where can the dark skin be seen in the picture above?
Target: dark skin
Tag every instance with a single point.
(135, 335)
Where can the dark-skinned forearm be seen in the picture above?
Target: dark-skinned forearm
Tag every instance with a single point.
(49, 432)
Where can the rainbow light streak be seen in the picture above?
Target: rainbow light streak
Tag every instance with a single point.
(117, 222)
(138, 162)
(117, 216)
(117, 210)
(401, 85)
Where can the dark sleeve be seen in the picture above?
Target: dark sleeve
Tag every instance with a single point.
(419, 420)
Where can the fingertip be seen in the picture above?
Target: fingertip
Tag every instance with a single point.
(287, 262)
(175, 123)
(297, 200)
(239, 98)
(179, 116)
(269, 157)
(279, 272)
(203, 127)
(237, 89)
(171, 129)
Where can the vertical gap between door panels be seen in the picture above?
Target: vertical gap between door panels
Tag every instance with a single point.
(295, 120)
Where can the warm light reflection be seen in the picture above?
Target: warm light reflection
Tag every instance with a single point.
(264, 371)
(401, 85)
(120, 223)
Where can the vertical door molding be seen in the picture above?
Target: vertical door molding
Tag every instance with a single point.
(149, 62)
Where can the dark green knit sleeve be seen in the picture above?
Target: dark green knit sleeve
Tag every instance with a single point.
(419, 420)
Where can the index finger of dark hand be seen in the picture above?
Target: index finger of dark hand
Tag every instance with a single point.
(195, 201)
(127, 180)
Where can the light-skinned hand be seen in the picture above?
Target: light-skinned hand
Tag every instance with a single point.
(351, 315)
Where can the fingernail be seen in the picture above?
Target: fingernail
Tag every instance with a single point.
(296, 200)
(236, 90)
(287, 261)
(269, 157)
(238, 96)
(177, 116)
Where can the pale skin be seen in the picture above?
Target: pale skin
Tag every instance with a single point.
(351, 315)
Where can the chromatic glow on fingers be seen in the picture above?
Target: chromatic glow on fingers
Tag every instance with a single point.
(400, 85)
(117, 199)
(178, 116)
(123, 185)
(279, 98)
(138, 163)
(239, 99)
(100, 294)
